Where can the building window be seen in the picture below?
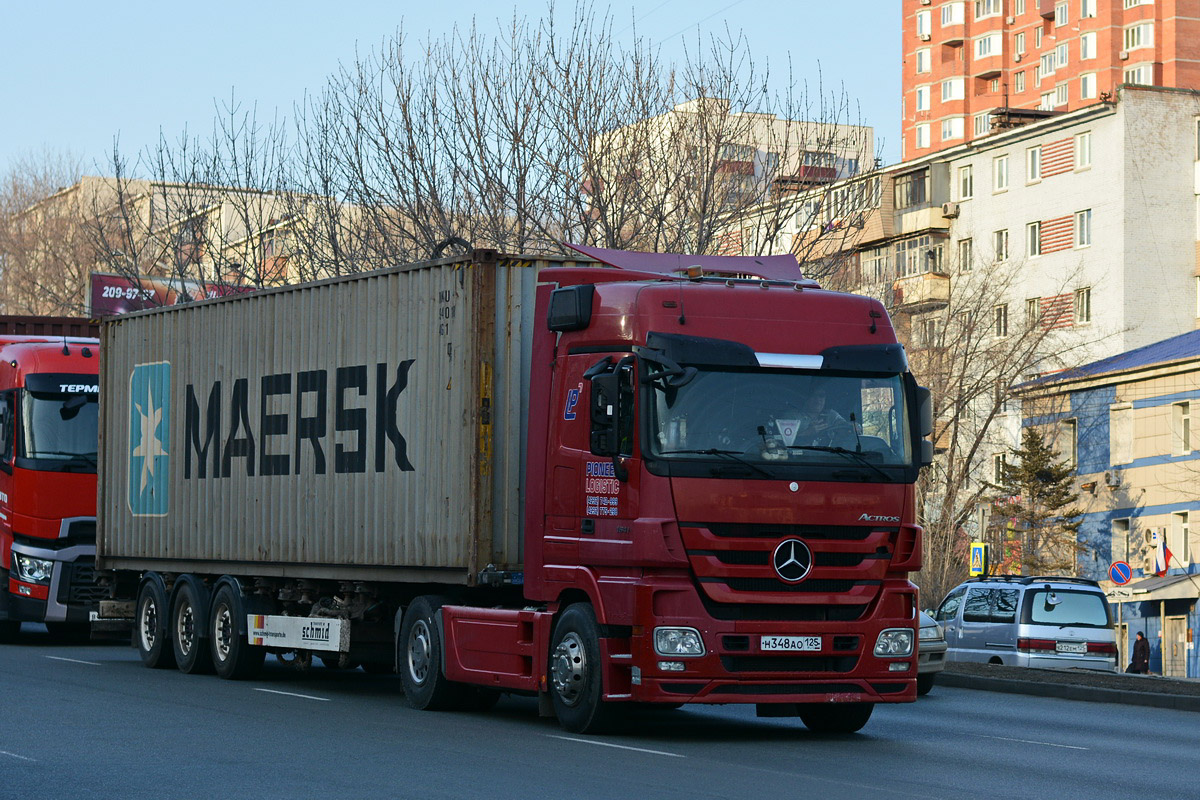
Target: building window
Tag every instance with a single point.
(1033, 164)
(922, 98)
(1132, 3)
(1068, 441)
(1181, 429)
(1087, 86)
(918, 256)
(1083, 306)
(1083, 228)
(1060, 15)
(924, 24)
(966, 182)
(923, 62)
(983, 124)
(965, 255)
(952, 14)
(1019, 43)
(912, 188)
(987, 45)
(1087, 46)
(1000, 320)
(1060, 95)
(1000, 244)
(952, 89)
(929, 332)
(1141, 75)
(1047, 101)
(1018, 7)
(998, 468)
(1087, 9)
(1120, 540)
(1083, 150)
(1061, 54)
(1046, 65)
(1019, 82)
(1139, 35)
(875, 265)
(1198, 138)
(1120, 434)
(1179, 544)
(923, 135)
(987, 8)
(1037, 37)
(1000, 174)
(1033, 239)
(1033, 311)
(952, 128)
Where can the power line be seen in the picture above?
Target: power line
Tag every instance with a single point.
(701, 22)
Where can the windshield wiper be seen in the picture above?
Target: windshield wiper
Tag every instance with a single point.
(730, 454)
(87, 458)
(859, 457)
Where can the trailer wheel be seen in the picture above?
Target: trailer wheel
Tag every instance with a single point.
(419, 656)
(150, 627)
(233, 657)
(835, 717)
(191, 654)
(576, 682)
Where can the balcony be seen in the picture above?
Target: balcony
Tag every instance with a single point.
(918, 294)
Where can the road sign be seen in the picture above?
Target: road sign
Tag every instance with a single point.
(979, 558)
(1120, 573)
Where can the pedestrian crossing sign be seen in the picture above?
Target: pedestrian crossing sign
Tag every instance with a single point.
(979, 559)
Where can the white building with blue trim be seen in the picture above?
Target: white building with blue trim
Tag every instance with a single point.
(1129, 424)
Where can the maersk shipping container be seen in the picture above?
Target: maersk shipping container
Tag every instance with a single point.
(370, 427)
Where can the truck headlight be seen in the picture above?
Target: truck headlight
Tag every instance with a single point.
(678, 642)
(894, 643)
(33, 570)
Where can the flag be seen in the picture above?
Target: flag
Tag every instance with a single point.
(1162, 553)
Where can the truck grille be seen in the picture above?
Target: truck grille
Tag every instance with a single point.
(732, 563)
(789, 663)
(78, 585)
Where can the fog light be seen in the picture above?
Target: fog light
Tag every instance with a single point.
(25, 590)
(894, 643)
(635, 676)
(671, 666)
(678, 642)
(898, 666)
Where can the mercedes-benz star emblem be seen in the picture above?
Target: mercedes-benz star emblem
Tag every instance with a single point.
(793, 560)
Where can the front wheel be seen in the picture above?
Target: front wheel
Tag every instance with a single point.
(835, 717)
(150, 627)
(233, 657)
(576, 680)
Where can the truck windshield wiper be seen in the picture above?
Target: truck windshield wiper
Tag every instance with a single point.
(859, 457)
(87, 458)
(733, 455)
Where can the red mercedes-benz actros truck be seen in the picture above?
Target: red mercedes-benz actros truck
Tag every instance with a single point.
(626, 478)
(49, 391)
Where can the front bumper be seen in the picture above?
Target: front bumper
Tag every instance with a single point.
(72, 595)
(932, 656)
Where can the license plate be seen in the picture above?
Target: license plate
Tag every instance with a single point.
(1071, 647)
(800, 643)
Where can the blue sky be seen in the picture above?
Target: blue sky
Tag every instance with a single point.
(79, 74)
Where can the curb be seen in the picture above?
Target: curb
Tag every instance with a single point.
(1069, 692)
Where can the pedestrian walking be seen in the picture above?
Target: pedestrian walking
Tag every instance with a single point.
(1141, 656)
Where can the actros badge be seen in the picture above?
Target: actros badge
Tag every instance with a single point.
(792, 560)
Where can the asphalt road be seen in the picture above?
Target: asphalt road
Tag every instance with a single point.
(91, 721)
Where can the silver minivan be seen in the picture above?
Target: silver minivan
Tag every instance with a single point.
(1030, 621)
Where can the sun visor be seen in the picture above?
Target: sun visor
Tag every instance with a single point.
(701, 351)
(866, 358)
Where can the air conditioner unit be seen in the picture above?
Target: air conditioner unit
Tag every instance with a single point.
(950, 210)
(925, 2)
(1009, 20)
(1018, 56)
(1124, 55)
(1150, 536)
(924, 37)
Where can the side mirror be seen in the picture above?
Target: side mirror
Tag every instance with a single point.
(925, 410)
(926, 452)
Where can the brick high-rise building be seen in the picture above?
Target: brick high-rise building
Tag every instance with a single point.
(975, 66)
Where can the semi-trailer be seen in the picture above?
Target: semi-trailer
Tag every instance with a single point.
(611, 479)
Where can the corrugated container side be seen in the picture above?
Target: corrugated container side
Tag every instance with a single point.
(251, 435)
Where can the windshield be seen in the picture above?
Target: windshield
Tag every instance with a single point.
(59, 426)
(782, 416)
(1058, 607)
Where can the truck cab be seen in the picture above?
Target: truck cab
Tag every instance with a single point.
(49, 402)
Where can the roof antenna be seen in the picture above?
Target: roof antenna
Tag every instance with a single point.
(874, 316)
(65, 351)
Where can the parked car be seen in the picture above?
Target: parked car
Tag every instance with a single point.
(931, 653)
(1030, 621)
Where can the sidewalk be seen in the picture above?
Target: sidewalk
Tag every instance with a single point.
(1182, 694)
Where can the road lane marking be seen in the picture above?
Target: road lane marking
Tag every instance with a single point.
(618, 746)
(75, 661)
(1029, 741)
(14, 755)
(293, 694)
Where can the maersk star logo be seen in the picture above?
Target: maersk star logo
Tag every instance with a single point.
(149, 438)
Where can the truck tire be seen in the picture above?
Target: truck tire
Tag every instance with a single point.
(233, 657)
(835, 717)
(419, 657)
(925, 683)
(191, 652)
(150, 627)
(576, 673)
